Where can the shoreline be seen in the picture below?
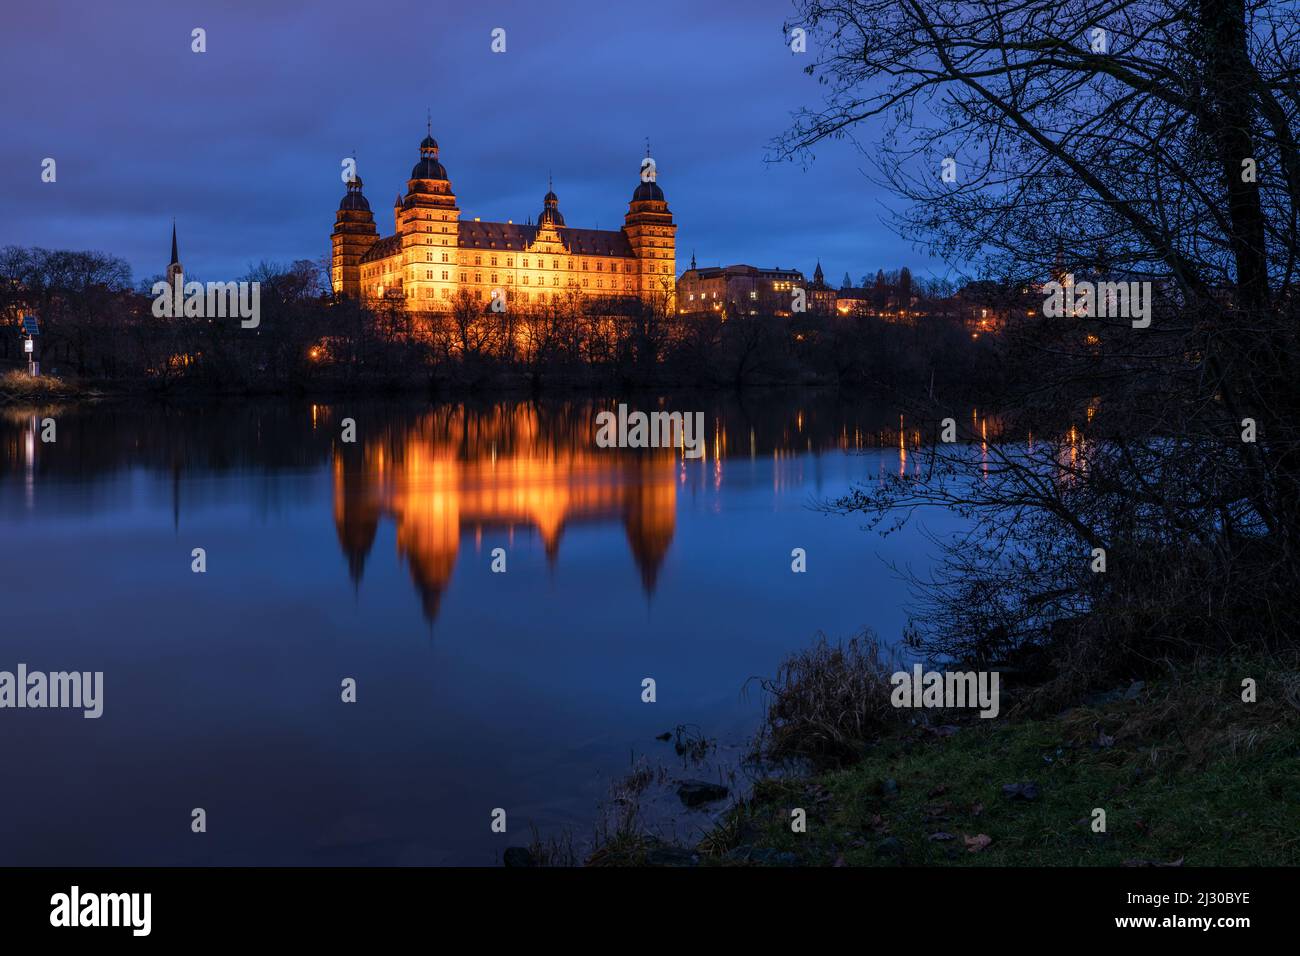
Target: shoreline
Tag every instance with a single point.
(1174, 771)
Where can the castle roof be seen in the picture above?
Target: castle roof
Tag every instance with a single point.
(385, 247)
(509, 236)
(582, 242)
(648, 190)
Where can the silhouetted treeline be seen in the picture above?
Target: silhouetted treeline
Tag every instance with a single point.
(96, 330)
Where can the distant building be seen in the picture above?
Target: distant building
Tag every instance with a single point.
(854, 301)
(821, 297)
(175, 271)
(434, 254)
(737, 290)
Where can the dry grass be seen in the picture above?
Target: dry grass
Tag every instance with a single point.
(1199, 715)
(18, 386)
(556, 850)
(621, 837)
(827, 701)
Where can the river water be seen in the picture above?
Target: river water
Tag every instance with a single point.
(372, 560)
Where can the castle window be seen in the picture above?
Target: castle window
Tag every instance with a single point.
(510, 262)
(570, 265)
(555, 280)
(494, 262)
(585, 264)
(444, 257)
(584, 282)
(428, 257)
(478, 277)
(478, 260)
(494, 277)
(444, 276)
(555, 263)
(600, 283)
(462, 277)
(525, 263)
(525, 280)
(600, 267)
(428, 273)
(446, 293)
(428, 242)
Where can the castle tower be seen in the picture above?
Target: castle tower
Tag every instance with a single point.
(354, 233)
(427, 220)
(652, 235)
(551, 215)
(175, 271)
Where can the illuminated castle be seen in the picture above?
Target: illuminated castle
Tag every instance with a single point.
(434, 254)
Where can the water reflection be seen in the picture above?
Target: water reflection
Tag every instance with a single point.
(449, 473)
(329, 559)
(440, 474)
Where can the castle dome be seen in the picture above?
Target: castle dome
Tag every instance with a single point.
(648, 191)
(551, 214)
(428, 167)
(353, 199)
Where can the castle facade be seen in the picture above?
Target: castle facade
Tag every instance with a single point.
(434, 254)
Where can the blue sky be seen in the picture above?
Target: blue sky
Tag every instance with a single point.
(243, 143)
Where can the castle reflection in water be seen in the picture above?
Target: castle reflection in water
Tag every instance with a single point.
(443, 474)
(454, 473)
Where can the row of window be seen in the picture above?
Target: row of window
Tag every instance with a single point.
(482, 294)
(541, 264)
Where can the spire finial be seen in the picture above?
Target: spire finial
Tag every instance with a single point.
(647, 147)
(550, 182)
(175, 257)
(428, 122)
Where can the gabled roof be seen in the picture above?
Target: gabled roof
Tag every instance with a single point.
(597, 242)
(385, 247)
(494, 235)
(509, 236)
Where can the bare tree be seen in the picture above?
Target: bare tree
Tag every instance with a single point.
(1149, 141)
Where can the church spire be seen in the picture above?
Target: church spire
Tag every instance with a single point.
(175, 271)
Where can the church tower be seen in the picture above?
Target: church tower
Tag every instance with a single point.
(427, 220)
(652, 235)
(175, 271)
(354, 233)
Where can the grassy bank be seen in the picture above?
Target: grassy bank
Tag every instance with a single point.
(1187, 773)
(20, 388)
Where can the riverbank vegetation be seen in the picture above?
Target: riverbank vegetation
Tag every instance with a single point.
(98, 331)
(19, 388)
(1185, 772)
